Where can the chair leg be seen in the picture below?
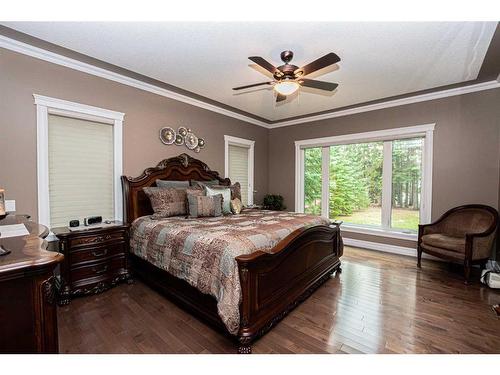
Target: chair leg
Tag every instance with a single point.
(419, 257)
(467, 269)
(482, 265)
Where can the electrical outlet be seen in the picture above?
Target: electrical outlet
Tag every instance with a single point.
(10, 205)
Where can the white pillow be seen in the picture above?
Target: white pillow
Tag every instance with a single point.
(226, 197)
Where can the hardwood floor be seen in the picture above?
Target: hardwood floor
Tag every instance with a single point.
(380, 303)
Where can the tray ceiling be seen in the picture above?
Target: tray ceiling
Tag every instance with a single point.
(379, 60)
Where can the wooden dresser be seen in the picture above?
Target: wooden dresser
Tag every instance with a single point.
(28, 316)
(95, 259)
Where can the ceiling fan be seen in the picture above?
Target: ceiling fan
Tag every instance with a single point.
(288, 77)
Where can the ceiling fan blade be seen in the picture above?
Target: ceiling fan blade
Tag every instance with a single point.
(255, 84)
(263, 63)
(322, 85)
(280, 98)
(318, 64)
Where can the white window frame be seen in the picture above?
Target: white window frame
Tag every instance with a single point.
(235, 141)
(46, 106)
(426, 131)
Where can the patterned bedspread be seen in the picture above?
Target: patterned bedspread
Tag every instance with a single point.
(202, 251)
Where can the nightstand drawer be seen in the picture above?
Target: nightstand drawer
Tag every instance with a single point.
(96, 253)
(106, 268)
(95, 239)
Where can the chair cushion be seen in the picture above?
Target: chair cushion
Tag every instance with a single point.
(444, 241)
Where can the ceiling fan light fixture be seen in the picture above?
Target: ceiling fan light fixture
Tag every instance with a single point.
(286, 87)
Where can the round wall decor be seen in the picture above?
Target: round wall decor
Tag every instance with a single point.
(183, 136)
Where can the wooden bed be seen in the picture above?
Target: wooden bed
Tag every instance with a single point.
(272, 284)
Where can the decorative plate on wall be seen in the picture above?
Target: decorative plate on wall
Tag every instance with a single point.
(167, 135)
(191, 141)
(183, 136)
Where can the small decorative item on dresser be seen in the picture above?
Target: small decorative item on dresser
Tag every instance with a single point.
(74, 223)
(95, 259)
(92, 220)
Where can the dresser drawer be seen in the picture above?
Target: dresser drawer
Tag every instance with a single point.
(104, 269)
(96, 253)
(95, 239)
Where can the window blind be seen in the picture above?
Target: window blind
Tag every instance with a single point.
(238, 169)
(80, 169)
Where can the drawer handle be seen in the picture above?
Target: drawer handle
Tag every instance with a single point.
(100, 270)
(100, 254)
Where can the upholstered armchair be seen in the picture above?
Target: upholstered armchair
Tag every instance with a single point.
(464, 234)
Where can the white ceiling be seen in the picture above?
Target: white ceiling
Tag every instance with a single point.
(378, 59)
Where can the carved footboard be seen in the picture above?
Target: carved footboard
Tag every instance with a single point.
(273, 284)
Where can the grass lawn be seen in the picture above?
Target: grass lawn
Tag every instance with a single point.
(401, 218)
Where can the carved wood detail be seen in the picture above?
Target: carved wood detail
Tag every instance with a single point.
(95, 239)
(100, 286)
(179, 168)
(49, 290)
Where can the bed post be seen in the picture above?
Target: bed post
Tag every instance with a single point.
(244, 341)
(244, 346)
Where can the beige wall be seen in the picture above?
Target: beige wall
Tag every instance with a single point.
(466, 147)
(466, 143)
(145, 114)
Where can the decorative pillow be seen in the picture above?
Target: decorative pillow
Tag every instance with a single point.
(235, 188)
(226, 196)
(172, 184)
(195, 191)
(235, 191)
(166, 202)
(196, 183)
(204, 206)
(236, 206)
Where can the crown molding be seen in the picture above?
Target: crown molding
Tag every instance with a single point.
(394, 103)
(39, 53)
(42, 54)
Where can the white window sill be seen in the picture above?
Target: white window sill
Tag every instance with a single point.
(350, 228)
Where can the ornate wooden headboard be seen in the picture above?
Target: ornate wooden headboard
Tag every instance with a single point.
(179, 168)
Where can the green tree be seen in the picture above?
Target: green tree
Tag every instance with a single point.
(312, 181)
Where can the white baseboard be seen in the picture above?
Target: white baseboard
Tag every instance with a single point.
(393, 249)
(401, 250)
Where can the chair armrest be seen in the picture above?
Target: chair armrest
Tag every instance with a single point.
(482, 234)
(479, 245)
(427, 228)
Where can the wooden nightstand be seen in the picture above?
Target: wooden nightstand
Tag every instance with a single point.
(95, 259)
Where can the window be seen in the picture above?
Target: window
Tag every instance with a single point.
(376, 182)
(239, 163)
(355, 183)
(79, 162)
(312, 180)
(406, 183)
